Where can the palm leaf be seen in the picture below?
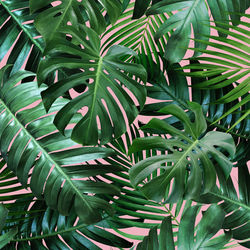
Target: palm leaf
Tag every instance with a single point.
(53, 19)
(188, 157)
(142, 40)
(208, 226)
(17, 30)
(173, 89)
(28, 141)
(104, 77)
(232, 67)
(38, 224)
(223, 69)
(193, 12)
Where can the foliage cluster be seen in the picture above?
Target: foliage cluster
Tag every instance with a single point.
(78, 167)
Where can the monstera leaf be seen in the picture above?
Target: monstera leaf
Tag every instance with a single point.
(195, 13)
(29, 140)
(208, 226)
(69, 12)
(106, 78)
(189, 159)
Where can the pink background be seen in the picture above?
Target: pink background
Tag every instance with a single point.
(137, 231)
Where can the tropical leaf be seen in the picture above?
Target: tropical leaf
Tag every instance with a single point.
(70, 13)
(193, 12)
(142, 40)
(17, 31)
(106, 77)
(236, 206)
(188, 158)
(189, 237)
(228, 66)
(173, 89)
(37, 224)
(29, 140)
(5, 238)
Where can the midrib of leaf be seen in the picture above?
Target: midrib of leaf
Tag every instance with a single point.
(178, 163)
(97, 83)
(62, 17)
(47, 156)
(50, 234)
(189, 13)
(230, 200)
(26, 31)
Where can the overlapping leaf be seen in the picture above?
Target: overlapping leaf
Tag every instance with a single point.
(17, 30)
(236, 206)
(208, 226)
(142, 38)
(37, 224)
(227, 67)
(29, 140)
(72, 12)
(193, 12)
(106, 78)
(190, 156)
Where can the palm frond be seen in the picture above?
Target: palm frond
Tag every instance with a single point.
(142, 38)
(17, 30)
(29, 140)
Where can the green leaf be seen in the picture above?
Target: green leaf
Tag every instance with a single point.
(140, 8)
(17, 30)
(208, 226)
(3, 216)
(69, 12)
(104, 77)
(192, 12)
(188, 157)
(236, 207)
(42, 224)
(5, 239)
(26, 143)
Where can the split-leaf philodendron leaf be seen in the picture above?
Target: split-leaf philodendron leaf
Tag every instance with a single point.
(107, 79)
(189, 160)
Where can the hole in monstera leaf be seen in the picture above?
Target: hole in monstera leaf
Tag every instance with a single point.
(106, 108)
(58, 14)
(98, 122)
(92, 69)
(188, 167)
(56, 3)
(90, 80)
